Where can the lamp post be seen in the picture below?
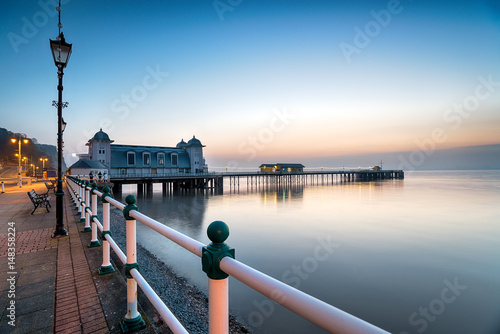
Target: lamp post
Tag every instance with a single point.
(21, 138)
(44, 173)
(61, 52)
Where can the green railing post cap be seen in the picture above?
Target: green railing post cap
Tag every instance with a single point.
(218, 232)
(130, 200)
(107, 193)
(212, 254)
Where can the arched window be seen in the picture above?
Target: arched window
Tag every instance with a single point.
(130, 158)
(146, 158)
(161, 159)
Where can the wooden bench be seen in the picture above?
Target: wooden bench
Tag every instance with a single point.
(39, 200)
(50, 186)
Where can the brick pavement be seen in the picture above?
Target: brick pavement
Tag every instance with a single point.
(52, 288)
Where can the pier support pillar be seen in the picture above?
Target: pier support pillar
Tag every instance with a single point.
(149, 188)
(117, 187)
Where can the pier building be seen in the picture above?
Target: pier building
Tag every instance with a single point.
(282, 168)
(137, 160)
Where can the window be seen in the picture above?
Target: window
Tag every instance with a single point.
(131, 158)
(174, 160)
(161, 159)
(146, 159)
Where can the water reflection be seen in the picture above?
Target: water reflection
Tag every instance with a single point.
(182, 210)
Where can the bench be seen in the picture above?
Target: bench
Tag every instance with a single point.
(39, 200)
(50, 186)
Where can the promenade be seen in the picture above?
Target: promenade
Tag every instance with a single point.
(51, 285)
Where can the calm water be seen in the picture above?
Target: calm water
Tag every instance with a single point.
(411, 256)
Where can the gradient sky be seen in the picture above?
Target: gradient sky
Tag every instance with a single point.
(257, 81)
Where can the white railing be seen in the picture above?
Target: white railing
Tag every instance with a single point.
(217, 261)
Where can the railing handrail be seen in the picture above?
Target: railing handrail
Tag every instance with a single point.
(316, 311)
(182, 240)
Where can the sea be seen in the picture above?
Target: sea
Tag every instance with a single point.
(413, 255)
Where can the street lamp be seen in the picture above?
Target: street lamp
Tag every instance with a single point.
(21, 138)
(61, 52)
(43, 162)
(44, 172)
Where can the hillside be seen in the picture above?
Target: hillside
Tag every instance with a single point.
(32, 150)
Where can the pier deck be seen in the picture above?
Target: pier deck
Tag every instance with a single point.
(216, 180)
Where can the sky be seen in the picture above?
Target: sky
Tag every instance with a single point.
(309, 81)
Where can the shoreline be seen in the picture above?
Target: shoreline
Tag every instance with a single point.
(186, 301)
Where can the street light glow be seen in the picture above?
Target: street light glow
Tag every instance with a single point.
(21, 139)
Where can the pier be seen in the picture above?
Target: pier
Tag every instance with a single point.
(183, 167)
(175, 182)
(313, 177)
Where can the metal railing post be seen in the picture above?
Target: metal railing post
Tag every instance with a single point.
(86, 209)
(94, 242)
(218, 284)
(71, 183)
(82, 202)
(76, 194)
(70, 188)
(132, 320)
(79, 197)
(106, 267)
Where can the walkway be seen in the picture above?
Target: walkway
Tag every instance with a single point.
(48, 286)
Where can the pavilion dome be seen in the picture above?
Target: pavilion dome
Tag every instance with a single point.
(101, 136)
(194, 142)
(181, 144)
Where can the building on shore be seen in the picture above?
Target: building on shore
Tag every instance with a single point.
(140, 161)
(94, 169)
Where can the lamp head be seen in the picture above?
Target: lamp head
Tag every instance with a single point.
(61, 51)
